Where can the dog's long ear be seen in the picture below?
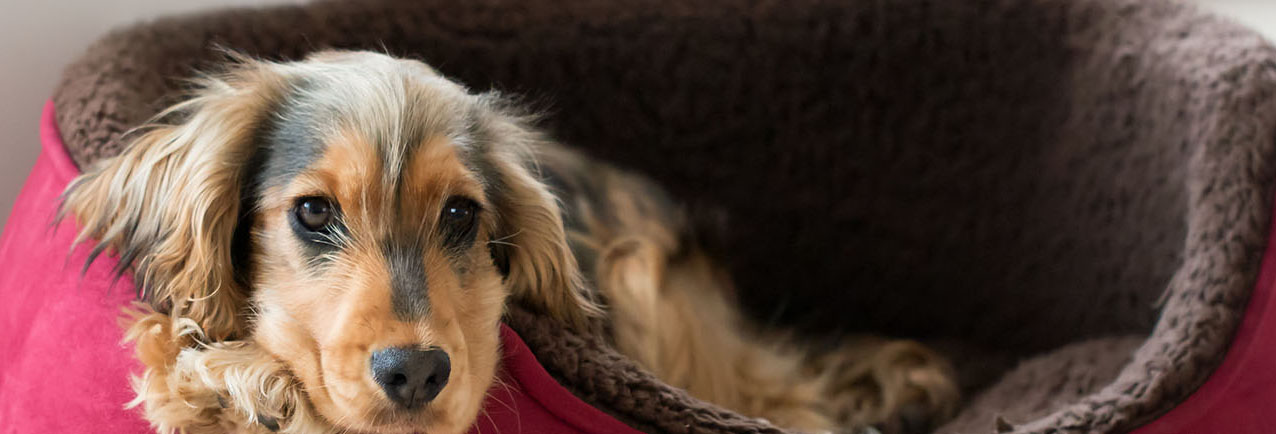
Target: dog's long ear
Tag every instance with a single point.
(530, 241)
(169, 204)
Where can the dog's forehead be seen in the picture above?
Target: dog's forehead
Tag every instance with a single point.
(392, 105)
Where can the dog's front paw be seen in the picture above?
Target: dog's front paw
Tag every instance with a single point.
(196, 387)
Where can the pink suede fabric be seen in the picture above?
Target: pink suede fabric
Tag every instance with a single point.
(534, 403)
(62, 367)
(64, 370)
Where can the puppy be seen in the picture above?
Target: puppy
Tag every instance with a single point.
(328, 246)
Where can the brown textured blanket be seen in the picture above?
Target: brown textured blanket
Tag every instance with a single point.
(1082, 186)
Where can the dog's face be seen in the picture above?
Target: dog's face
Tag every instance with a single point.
(372, 277)
(359, 217)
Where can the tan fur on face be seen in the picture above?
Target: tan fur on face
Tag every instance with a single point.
(325, 326)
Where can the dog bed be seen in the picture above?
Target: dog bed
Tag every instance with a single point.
(1071, 198)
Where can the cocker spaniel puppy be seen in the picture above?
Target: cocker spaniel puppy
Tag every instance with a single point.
(328, 246)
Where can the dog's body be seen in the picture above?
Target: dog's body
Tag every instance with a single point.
(328, 245)
(671, 309)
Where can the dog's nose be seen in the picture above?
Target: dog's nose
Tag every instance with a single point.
(411, 377)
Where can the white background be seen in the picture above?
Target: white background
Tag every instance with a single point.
(37, 38)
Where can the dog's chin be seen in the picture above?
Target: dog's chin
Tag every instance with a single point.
(390, 421)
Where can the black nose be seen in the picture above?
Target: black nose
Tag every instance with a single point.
(411, 377)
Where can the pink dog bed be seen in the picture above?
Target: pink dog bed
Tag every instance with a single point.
(64, 370)
(1071, 198)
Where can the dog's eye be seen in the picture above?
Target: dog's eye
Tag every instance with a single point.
(459, 212)
(314, 213)
(457, 220)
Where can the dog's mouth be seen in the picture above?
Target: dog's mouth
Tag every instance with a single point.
(386, 419)
(394, 421)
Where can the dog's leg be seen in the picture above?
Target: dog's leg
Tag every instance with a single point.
(673, 317)
(191, 387)
(671, 310)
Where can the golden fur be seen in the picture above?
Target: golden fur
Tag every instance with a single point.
(671, 311)
(262, 334)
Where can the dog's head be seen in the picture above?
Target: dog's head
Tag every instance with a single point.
(359, 217)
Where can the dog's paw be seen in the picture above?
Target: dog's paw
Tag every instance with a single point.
(897, 387)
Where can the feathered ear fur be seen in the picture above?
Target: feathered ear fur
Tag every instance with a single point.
(530, 241)
(170, 203)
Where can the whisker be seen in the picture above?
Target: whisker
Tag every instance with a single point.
(509, 392)
(515, 234)
(503, 243)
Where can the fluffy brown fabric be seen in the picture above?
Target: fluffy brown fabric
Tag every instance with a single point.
(1014, 175)
(1039, 386)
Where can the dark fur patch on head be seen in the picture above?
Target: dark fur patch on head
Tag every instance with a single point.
(288, 143)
